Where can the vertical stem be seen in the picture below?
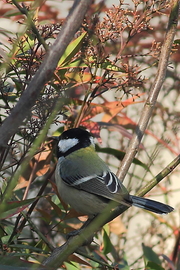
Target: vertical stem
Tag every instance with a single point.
(154, 91)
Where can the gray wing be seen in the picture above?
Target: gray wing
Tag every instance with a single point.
(106, 184)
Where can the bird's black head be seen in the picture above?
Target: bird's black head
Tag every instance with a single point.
(72, 140)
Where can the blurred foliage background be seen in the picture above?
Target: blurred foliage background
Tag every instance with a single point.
(103, 78)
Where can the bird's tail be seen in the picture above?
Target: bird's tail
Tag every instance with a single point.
(150, 205)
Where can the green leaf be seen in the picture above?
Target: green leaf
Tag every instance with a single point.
(107, 64)
(75, 64)
(27, 247)
(153, 266)
(72, 266)
(107, 243)
(9, 209)
(150, 255)
(119, 155)
(71, 50)
(177, 41)
(15, 263)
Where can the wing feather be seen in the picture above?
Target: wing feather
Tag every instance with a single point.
(105, 184)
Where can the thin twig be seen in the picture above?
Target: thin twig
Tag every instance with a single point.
(60, 254)
(31, 24)
(45, 72)
(17, 229)
(165, 172)
(154, 91)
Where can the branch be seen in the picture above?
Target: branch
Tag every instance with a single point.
(154, 91)
(31, 24)
(60, 254)
(165, 172)
(45, 72)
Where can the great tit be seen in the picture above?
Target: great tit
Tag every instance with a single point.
(86, 183)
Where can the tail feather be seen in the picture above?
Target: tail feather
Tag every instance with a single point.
(151, 205)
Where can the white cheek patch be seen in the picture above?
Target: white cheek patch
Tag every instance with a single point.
(92, 141)
(66, 144)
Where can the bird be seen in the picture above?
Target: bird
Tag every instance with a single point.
(86, 183)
